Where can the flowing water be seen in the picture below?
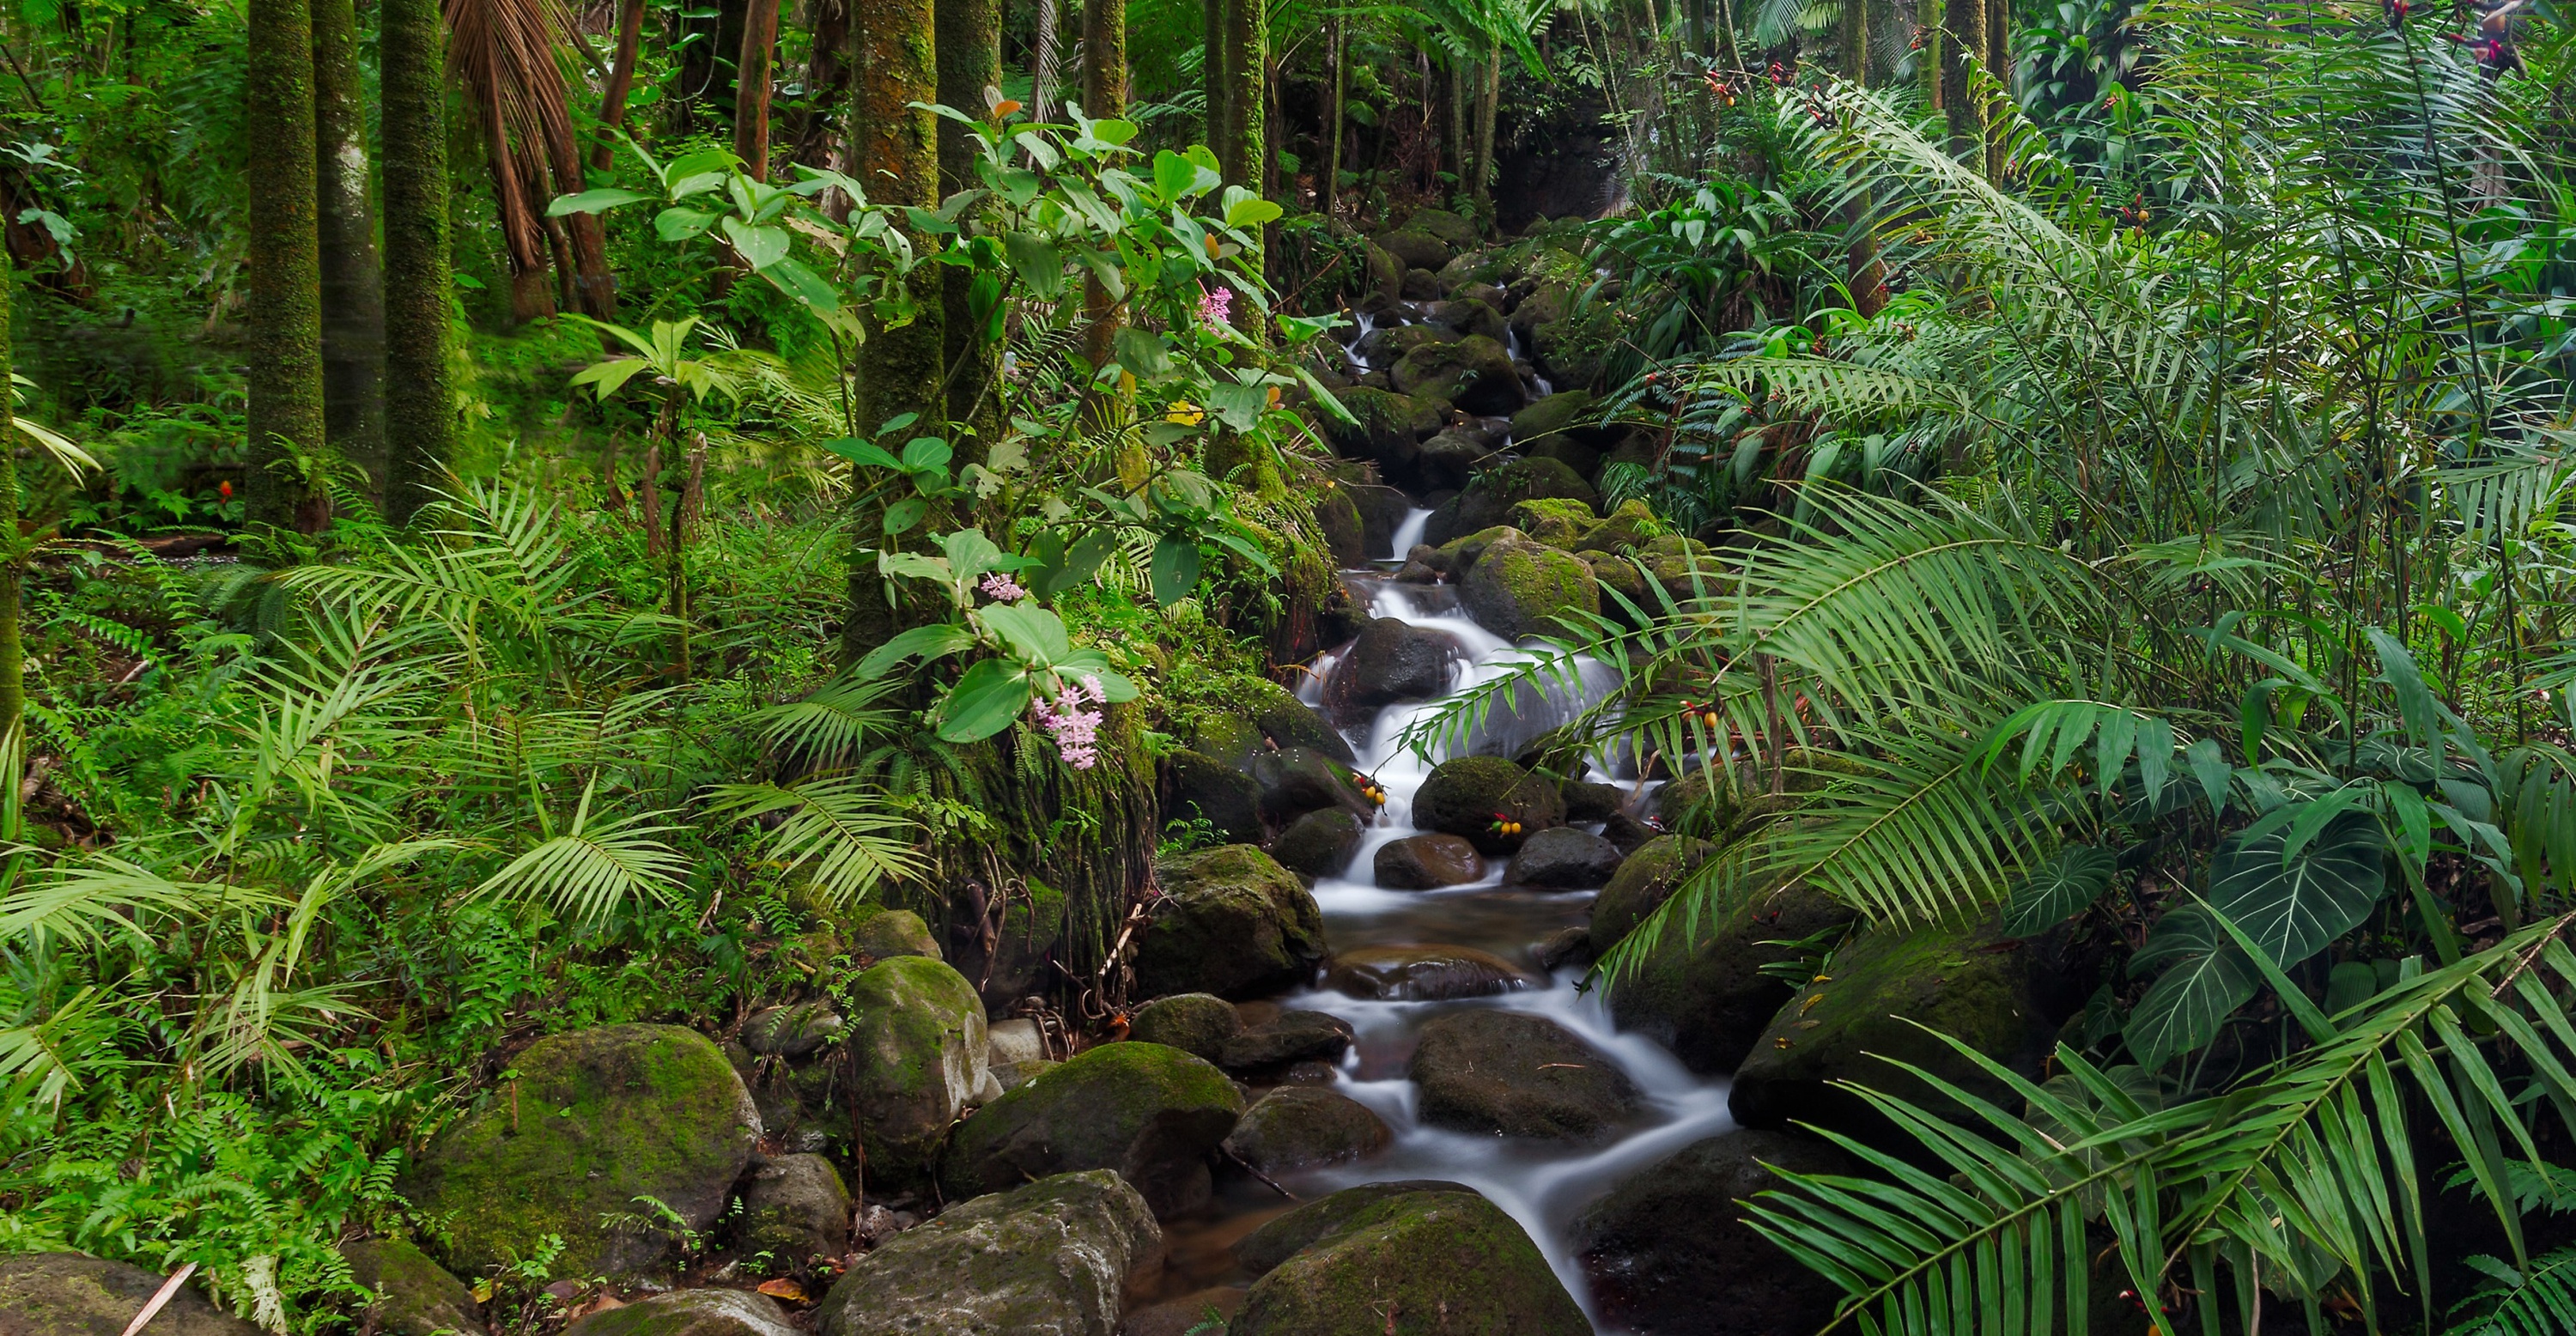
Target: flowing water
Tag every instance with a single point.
(1543, 1184)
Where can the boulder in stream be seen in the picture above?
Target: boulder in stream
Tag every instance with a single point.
(1393, 660)
(919, 1055)
(414, 1295)
(1150, 1112)
(1473, 797)
(1385, 426)
(1668, 1252)
(1519, 588)
(1425, 862)
(1290, 1036)
(707, 1312)
(1202, 787)
(1422, 973)
(1414, 1262)
(1195, 1023)
(1303, 1127)
(1051, 1258)
(1296, 781)
(1233, 922)
(1318, 844)
(1507, 1073)
(1643, 883)
(1705, 995)
(1563, 859)
(1488, 502)
(1475, 373)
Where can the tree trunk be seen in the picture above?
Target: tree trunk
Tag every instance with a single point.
(1998, 58)
(1217, 88)
(827, 84)
(1963, 38)
(353, 292)
(621, 83)
(970, 61)
(1043, 60)
(13, 653)
(1333, 115)
(898, 159)
(1104, 97)
(1488, 109)
(1853, 29)
(1458, 142)
(285, 371)
(1927, 30)
(1247, 69)
(751, 88)
(419, 414)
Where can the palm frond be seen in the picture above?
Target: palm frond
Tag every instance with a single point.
(838, 825)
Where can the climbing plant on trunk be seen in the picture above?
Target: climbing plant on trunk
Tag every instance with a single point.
(970, 68)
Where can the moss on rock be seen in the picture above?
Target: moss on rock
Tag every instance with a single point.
(896, 932)
(1415, 1264)
(1643, 884)
(1233, 923)
(1463, 797)
(709, 1312)
(1301, 1127)
(70, 1294)
(414, 1295)
(1151, 1112)
(1475, 373)
(1519, 588)
(1704, 995)
(918, 1054)
(1195, 1023)
(1557, 521)
(1047, 1259)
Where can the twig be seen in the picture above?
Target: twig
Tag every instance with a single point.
(160, 1297)
(1247, 1168)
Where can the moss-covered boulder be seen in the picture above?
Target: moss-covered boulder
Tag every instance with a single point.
(797, 1210)
(1195, 1023)
(793, 1031)
(1475, 373)
(1386, 345)
(1563, 859)
(1704, 995)
(1381, 510)
(1385, 273)
(593, 1120)
(1150, 1112)
(1685, 567)
(1422, 973)
(1050, 1258)
(1668, 1252)
(1267, 717)
(1200, 787)
(1454, 230)
(1566, 412)
(709, 1312)
(1345, 534)
(1415, 248)
(1386, 426)
(1571, 351)
(1467, 316)
(72, 1294)
(1304, 1127)
(1465, 797)
(1587, 801)
(1489, 500)
(1295, 781)
(918, 1055)
(1232, 922)
(1451, 457)
(1393, 660)
(1457, 556)
(895, 932)
(1643, 883)
(1290, 1036)
(1630, 526)
(1557, 521)
(1414, 1264)
(1285, 1236)
(1425, 863)
(1543, 305)
(415, 1296)
(1505, 1073)
(1885, 988)
(1318, 844)
(1519, 588)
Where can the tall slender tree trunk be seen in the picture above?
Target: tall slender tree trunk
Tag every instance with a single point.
(1927, 29)
(1853, 30)
(1962, 41)
(970, 61)
(1459, 143)
(13, 557)
(1247, 72)
(285, 372)
(621, 83)
(1488, 110)
(751, 88)
(1213, 83)
(1334, 120)
(1104, 97)
(1044, 63)
(419, 414)
(827, 85)
(1998, 58)
(353, 286)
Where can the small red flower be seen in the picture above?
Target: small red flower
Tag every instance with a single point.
(226, 488)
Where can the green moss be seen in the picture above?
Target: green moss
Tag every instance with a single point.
(1463, 796)
(1134, 1107)
(1521, 589)
(900, 932)
(414, 1295)
(1559, 522)
(68, 1294)
(1633, 524)
(1549, 416)
(1195, 1023)
(918, 1053)
(1233, 923)
(1415, 1264)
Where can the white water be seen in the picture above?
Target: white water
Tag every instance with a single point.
(1409, 532)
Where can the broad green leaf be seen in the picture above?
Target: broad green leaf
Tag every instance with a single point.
(1142, 352)
(984, 702)
(2209, 765)
(2060, 888)
(930, 642)
(970, 554)
(2205, 980)
(1239, 406)
(1038, 263)
(858, 451)
(2293, 909)
(1176, 178)
(592, 201)
(1175, 570)
(677, 224)
(2349, 985)
(927, 454)
(1032, 634)
(2415, 702)
(1251, 211)
(904, 514)
(791, 276)
(759, 247)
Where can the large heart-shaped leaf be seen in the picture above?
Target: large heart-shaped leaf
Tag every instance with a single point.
(1038, 263)
(984, 702)
(2059, 888)
(1033, 635)
(2206, 979)
(2292, 907)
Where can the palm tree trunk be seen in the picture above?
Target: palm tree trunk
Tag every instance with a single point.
(353, 292)
(1927, 27)
(1333, 116)
(412, 52)
(621, 83)
(285, 244)
(1104, 96)
(751, 88)
(970, 61)
(13, 653)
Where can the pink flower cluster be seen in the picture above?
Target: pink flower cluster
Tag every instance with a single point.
(1077, 730)
(1003, 587)
(1215, 308)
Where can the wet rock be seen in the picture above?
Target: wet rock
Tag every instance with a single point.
(595, 1119)
(792, 1032)
(1387, 344)
(1318, 844)
(1629, 832)
(1291, 1036)
(1454, 230)
(1344, 533)
(1426, 862)
(1048, 1259)
(1297, 781)
(414, 1295)
(1561, 947)
(1385, 272)
(1188, 1315)
(1630, 526)
(69, 1294)
(895, 932)
(1487, 293)
(1386, 425)
(1393, 660)
(1520, 589)
(1555, 521)
(1644, 882)
(1510, 1074)
(1421, 285)
(1012, 1048)
(1416, 249)
(1563, 859)
(1452, 1260)
(1233, 923)
(1302, 1127)
(1474, 373)
(1586, 801)
(1564, 413)
(1416, 573)
(1195, 1023)
(709, 1312)
(1704, 995)
(1668, 1251)
(1544, 305)
(1382, 510)
(1460, 555)
(1468, 316)
(919, 1054)
(1274, 719)
(1464, 796)
(1421, 973)
(1887, 985)
(1151, 1112)
(796, 1209)
(1287, 1235)
(1205, 788)
(1489, 501)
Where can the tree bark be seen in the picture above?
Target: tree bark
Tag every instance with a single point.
(970, 61)
(1488, 109)
(419, 414)
(1333, 115)
(353, 291)
(621, 83)
(285, 371)
(1853, 29)
(1962, 41)
(1104, 97)
(1247, 71)
(827, 84)
(1218, 88)
(13, 653)
(898, 161)
(751, 88)
(1998, 58)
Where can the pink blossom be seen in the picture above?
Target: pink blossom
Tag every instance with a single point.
(1003, 587)
(1076, 730)
(1215, 307)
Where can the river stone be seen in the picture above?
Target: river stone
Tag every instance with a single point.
(1630, 833)
(1586, 801)
(1425, 862)
(709, 1312)
(1297, 781)
(919, 1055)
(895, 932)
(1544, 305)
(1393, 660)
(1382, 510)
(1417, 249)
(1644, 882)
(1475, 373)
(1416, 1263)
(1627, 597)
(796, 1209)
(1233, 923)
(1010, 1047)
(1520, 589)
(1567, 412)
(1421, 973)
(1668, 1251)
(1301, 1127)
(595, 1119)
(71, 1294)
(1553, 521)
(791, 1031)
(1318, 844)
(1421, 285)
(1453, 229)
(1511, 1074)
(1189, 1315)
(1291, 1036)
(1469, 316)
(1151, 1112)
(1285, 1236)
(1566, 353)
(1385, 426)
(1704, 995)
(1563, 859)
(1385, 273)
(1464, 796)
(414, 1295)
(1886, 987)
(1195, 1023)
(1051, 1258)
(1630, 526)
(1489, 502)
(1451, 458)
(1205, 788)
(1387, 344)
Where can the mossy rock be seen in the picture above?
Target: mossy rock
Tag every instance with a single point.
(1386, 426)
(793, 1031)
(1047, 1259)
(896, 932)
(1685, 567)
(1643, 884)
(1305, 1127)
(1704, 995)
(1287, 1235)
(1544, 305)
(1566, 412)
(1453, 229)
(414, 1295)
(797, 1210)
(1632, 525)
(1032, 928)
(1319, 844)
(1451, 458)
(709, 1312)
(1489, 500)
(1466, 315)
(1463, 796)
(1568, 352)
(1271, 718)
(1414, 1264)
(1386, 345)
(1295, 781)
(1885, 994)
(1457, 556)
(1233, 923)
(72, 1294)
(1508, 1073)
(1195, 1023)
(595, 1119)
(1559, 522)
(1392, 660)
(1421, 285)
(1385, 272)
(1519, 589)
(1345, 534)
(1668, 1250)
(1203, 787)
(1151, 1112)
(919, 1054)
(1475, 373)
(1416, 249)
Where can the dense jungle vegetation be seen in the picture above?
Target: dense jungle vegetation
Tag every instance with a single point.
(524, 517)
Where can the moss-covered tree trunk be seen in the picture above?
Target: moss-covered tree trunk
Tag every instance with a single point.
(751, 87)
(1963, 24)
(13, 547)
(1998, 58)
(1214, 85)
(621, 83)
(285, 371)
(1853, 30)
(1489, 101)
(970, 62)
(353, 284)
(1334, 119)
(419, 414)
(1104, 97)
